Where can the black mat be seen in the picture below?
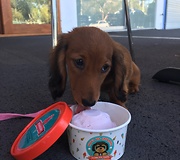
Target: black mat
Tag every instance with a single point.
(154, 132)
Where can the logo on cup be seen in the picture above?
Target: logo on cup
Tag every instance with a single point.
(100, 147)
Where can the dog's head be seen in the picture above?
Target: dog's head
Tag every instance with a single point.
(100, 147)
(87, 56)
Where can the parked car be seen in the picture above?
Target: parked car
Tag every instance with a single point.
(101, 23)
(115, 19)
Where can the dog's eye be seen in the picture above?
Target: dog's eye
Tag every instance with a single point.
(79, 63)
(105, 68)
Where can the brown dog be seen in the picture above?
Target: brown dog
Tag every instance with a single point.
(94, 62)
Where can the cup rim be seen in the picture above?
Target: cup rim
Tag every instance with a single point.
(105, 130)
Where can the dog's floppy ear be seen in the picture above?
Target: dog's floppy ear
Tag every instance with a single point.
(93, 147)
(120, 69)
(58, 75)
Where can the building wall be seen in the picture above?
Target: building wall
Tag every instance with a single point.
(158, 14)
(68, 9)
(173, 14)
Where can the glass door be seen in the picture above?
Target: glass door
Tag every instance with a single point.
(31, 11)
(110, 14)
(26, 16)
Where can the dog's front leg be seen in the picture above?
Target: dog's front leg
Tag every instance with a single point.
(119, 99)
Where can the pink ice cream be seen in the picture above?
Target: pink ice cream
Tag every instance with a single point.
(93, 119)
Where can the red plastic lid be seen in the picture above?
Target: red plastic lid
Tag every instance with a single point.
(42, 132)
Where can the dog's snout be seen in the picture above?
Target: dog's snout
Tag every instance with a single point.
(88, 103)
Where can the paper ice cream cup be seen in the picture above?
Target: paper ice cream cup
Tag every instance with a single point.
(106, 144)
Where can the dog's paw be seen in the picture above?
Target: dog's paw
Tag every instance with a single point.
(133, 88)
(122, 96)
(120, 103)
(119, 97)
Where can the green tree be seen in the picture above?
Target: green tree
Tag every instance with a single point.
(17, 16)
(41, 14)
(98, 9)
(31, 10)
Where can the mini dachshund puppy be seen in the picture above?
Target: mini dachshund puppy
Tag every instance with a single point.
(100, 149)
(94, 62)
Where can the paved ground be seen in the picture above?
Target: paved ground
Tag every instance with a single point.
(154, 132)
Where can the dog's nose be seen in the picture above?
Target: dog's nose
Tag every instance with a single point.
(88, 103)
